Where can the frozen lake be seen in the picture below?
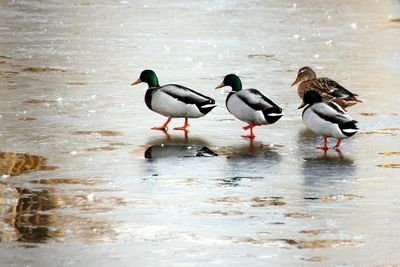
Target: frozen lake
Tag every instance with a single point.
(85, 182)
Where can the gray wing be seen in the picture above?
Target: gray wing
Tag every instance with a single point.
(331, 112)
(255, 99)
(186, 95)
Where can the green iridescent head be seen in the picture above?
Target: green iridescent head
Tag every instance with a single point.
(233, 81)
(149, 77)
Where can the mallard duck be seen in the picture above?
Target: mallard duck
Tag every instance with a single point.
(249, 105)
(327, 119)
(174, 101)
(327, 88)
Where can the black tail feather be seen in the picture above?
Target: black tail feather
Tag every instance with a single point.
(206, 108)
(277, 114)
(350, 125)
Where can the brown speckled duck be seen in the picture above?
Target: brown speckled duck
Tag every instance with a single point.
(327, 88)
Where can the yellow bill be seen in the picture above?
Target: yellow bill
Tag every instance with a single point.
(220, 86)
(136, 82)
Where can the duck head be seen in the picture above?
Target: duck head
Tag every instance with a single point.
(304, 74)
(233, 81)
(149, 77)
(310, 97)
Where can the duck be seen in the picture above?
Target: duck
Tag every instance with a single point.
(249, 105)
(173, 100)
(326, 87)
(327, 119)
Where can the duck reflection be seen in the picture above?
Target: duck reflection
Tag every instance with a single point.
(327, 169)
(32, 213)
(35, 215)
(252, 159)
(31, 221)
(168, 136)
(14, 164)
(322, 167)
(306, 139)
(180, 151)
(178, 148)
(25, 215)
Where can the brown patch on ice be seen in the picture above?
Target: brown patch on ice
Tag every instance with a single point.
(332, 198)
(70, 181)
(300, 244)
(76, 83)
(335, 197)
(218, 213)
(254, 202)
(278, 145)
(261, 56)
(101, 133)
(225, 200)
(263, 241)
(226, 120)
(43, 69)
(315, 259)
(389, 165)
(384, 131)
(40, 101)
(298, 215)
(327, 243)
(389, 129)
(8, 74)
(317, 244)
(27, 119)
(389, 153)
(244, 239)
(285, 240)
(368, 113)
(315, 231)
(118, 144)
(101, 148)
(392, 20)
(209, 78)
(266, 201)
(378, 132)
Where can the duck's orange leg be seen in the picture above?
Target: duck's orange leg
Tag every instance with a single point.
(185, 126)
(339, 141)
(325, 146)
(250, 126)
(164, 126)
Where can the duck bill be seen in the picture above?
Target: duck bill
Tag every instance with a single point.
(296, 81)
(136, 82)
(302, 105)
(220, 86)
